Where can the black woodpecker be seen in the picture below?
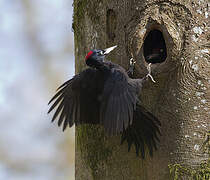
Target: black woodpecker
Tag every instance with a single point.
(104, 94)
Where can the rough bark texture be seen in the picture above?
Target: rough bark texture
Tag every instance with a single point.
(180, 98)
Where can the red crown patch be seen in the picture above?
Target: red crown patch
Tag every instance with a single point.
(88, 55)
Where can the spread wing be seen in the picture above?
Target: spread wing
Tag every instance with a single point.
(144, 132)
(76, 100)
(118, 103)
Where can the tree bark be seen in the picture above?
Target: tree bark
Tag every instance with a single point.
(180, 98)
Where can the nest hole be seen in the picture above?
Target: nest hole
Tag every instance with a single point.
(111, 22)
(154, 47)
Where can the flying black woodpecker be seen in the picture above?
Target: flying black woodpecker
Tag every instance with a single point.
(105, 94)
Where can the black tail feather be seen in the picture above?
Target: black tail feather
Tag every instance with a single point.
(144, 132)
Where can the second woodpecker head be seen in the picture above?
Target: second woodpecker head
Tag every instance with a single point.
(96, 56)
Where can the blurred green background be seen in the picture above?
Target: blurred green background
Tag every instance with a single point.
(36, 56)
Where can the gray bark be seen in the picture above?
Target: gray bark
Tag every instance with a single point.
(180, 98)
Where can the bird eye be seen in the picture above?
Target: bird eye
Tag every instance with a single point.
(101, 53)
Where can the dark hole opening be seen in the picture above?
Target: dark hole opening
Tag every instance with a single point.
(111, 22)
(155, 47)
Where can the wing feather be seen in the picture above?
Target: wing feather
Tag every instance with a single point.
(144, 132)
(118, 102)
(74, 96)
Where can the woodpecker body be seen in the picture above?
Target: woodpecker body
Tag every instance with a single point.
(104, 94)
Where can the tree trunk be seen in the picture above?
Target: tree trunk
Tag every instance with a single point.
(178, 98)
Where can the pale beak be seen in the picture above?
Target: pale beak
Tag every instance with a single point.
(108, 50)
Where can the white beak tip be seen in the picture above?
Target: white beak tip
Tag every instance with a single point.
(108, 50)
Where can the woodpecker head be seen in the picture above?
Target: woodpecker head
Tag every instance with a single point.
(96, 57)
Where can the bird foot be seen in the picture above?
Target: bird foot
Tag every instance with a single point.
(131, 66)
(132, 62)
(149, 73)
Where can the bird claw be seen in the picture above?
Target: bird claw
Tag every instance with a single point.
(132, 62)
(131, 67)
(149, 73)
